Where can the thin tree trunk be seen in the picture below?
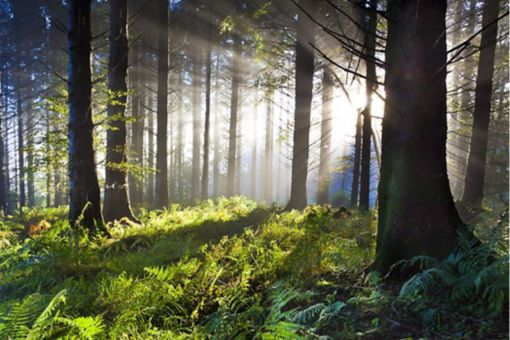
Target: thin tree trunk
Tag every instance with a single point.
(151, 201)
(84, 206)
(364, 195)
(255, 132)
(216, 134)
(325, 143)
(231, 175)
(179, 147)
(304, 88)
(268, 150)
(3, 187)
(136, 141)
(21, 151)
(475, 173)
(195, 162)
(205, 172)
(162, 109)
(356, 163)
(30, 159)
(116, 198)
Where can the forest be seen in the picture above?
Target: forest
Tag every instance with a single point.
(254, 169)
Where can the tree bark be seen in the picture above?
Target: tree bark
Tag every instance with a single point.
(84, 205)
(325, 141)
(135, 192)
(195, 163)
(356, 163)
(116, 199)
(369, 48)
(21, 150)
(268, 150)
(216, 134)
(232, 132)
(304, 88)
(151, 201)
(205, 169)
(475, 173)
(3, 187)
(162, 109)
(417, 215)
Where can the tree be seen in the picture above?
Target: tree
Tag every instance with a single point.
(197, 101)
(205, 169)
(232, 132)
(304, 87)
(162, 109)
(325, 146)
(116, 200)
(417, 215)
(475, 172)
(3, 191)
(356, 163)
(369, 47)
(84, 205)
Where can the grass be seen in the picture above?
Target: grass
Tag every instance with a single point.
(230, 269)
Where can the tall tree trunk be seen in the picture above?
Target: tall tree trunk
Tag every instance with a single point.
(255, 132)
(30, 158)
(369, 48)
(356, 163)
(179, 146)
(151, 201)
(325, 142)
(475, 173)
(417, 215)
(205, 169)
(116, 198)
(195, 162)
(47, 148)
(238, 154)
(162, 109)
(136, 143)
(304, 88)
(5, 126)
(268, 150)
(21, 150)
(232, 132)
(3, 186)
(216, 134)
(84, 205)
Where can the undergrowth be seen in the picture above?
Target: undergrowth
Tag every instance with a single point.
(231, 269)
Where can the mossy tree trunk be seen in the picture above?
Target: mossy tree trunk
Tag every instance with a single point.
(417, 215)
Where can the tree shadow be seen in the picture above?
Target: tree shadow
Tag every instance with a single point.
(133, 253)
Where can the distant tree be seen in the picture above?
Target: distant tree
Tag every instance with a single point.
(304, 88)
(84, 205)
(369, 56)
(205, 169)
(417, 215)
(197, 104)
(325, 141)
(116, 200)
(475, 172)
(162, 109)
(232, 131)
(356, 163)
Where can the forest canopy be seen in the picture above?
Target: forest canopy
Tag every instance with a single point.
(270, 169)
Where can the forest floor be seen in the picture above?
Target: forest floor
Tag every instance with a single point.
(232, 269)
